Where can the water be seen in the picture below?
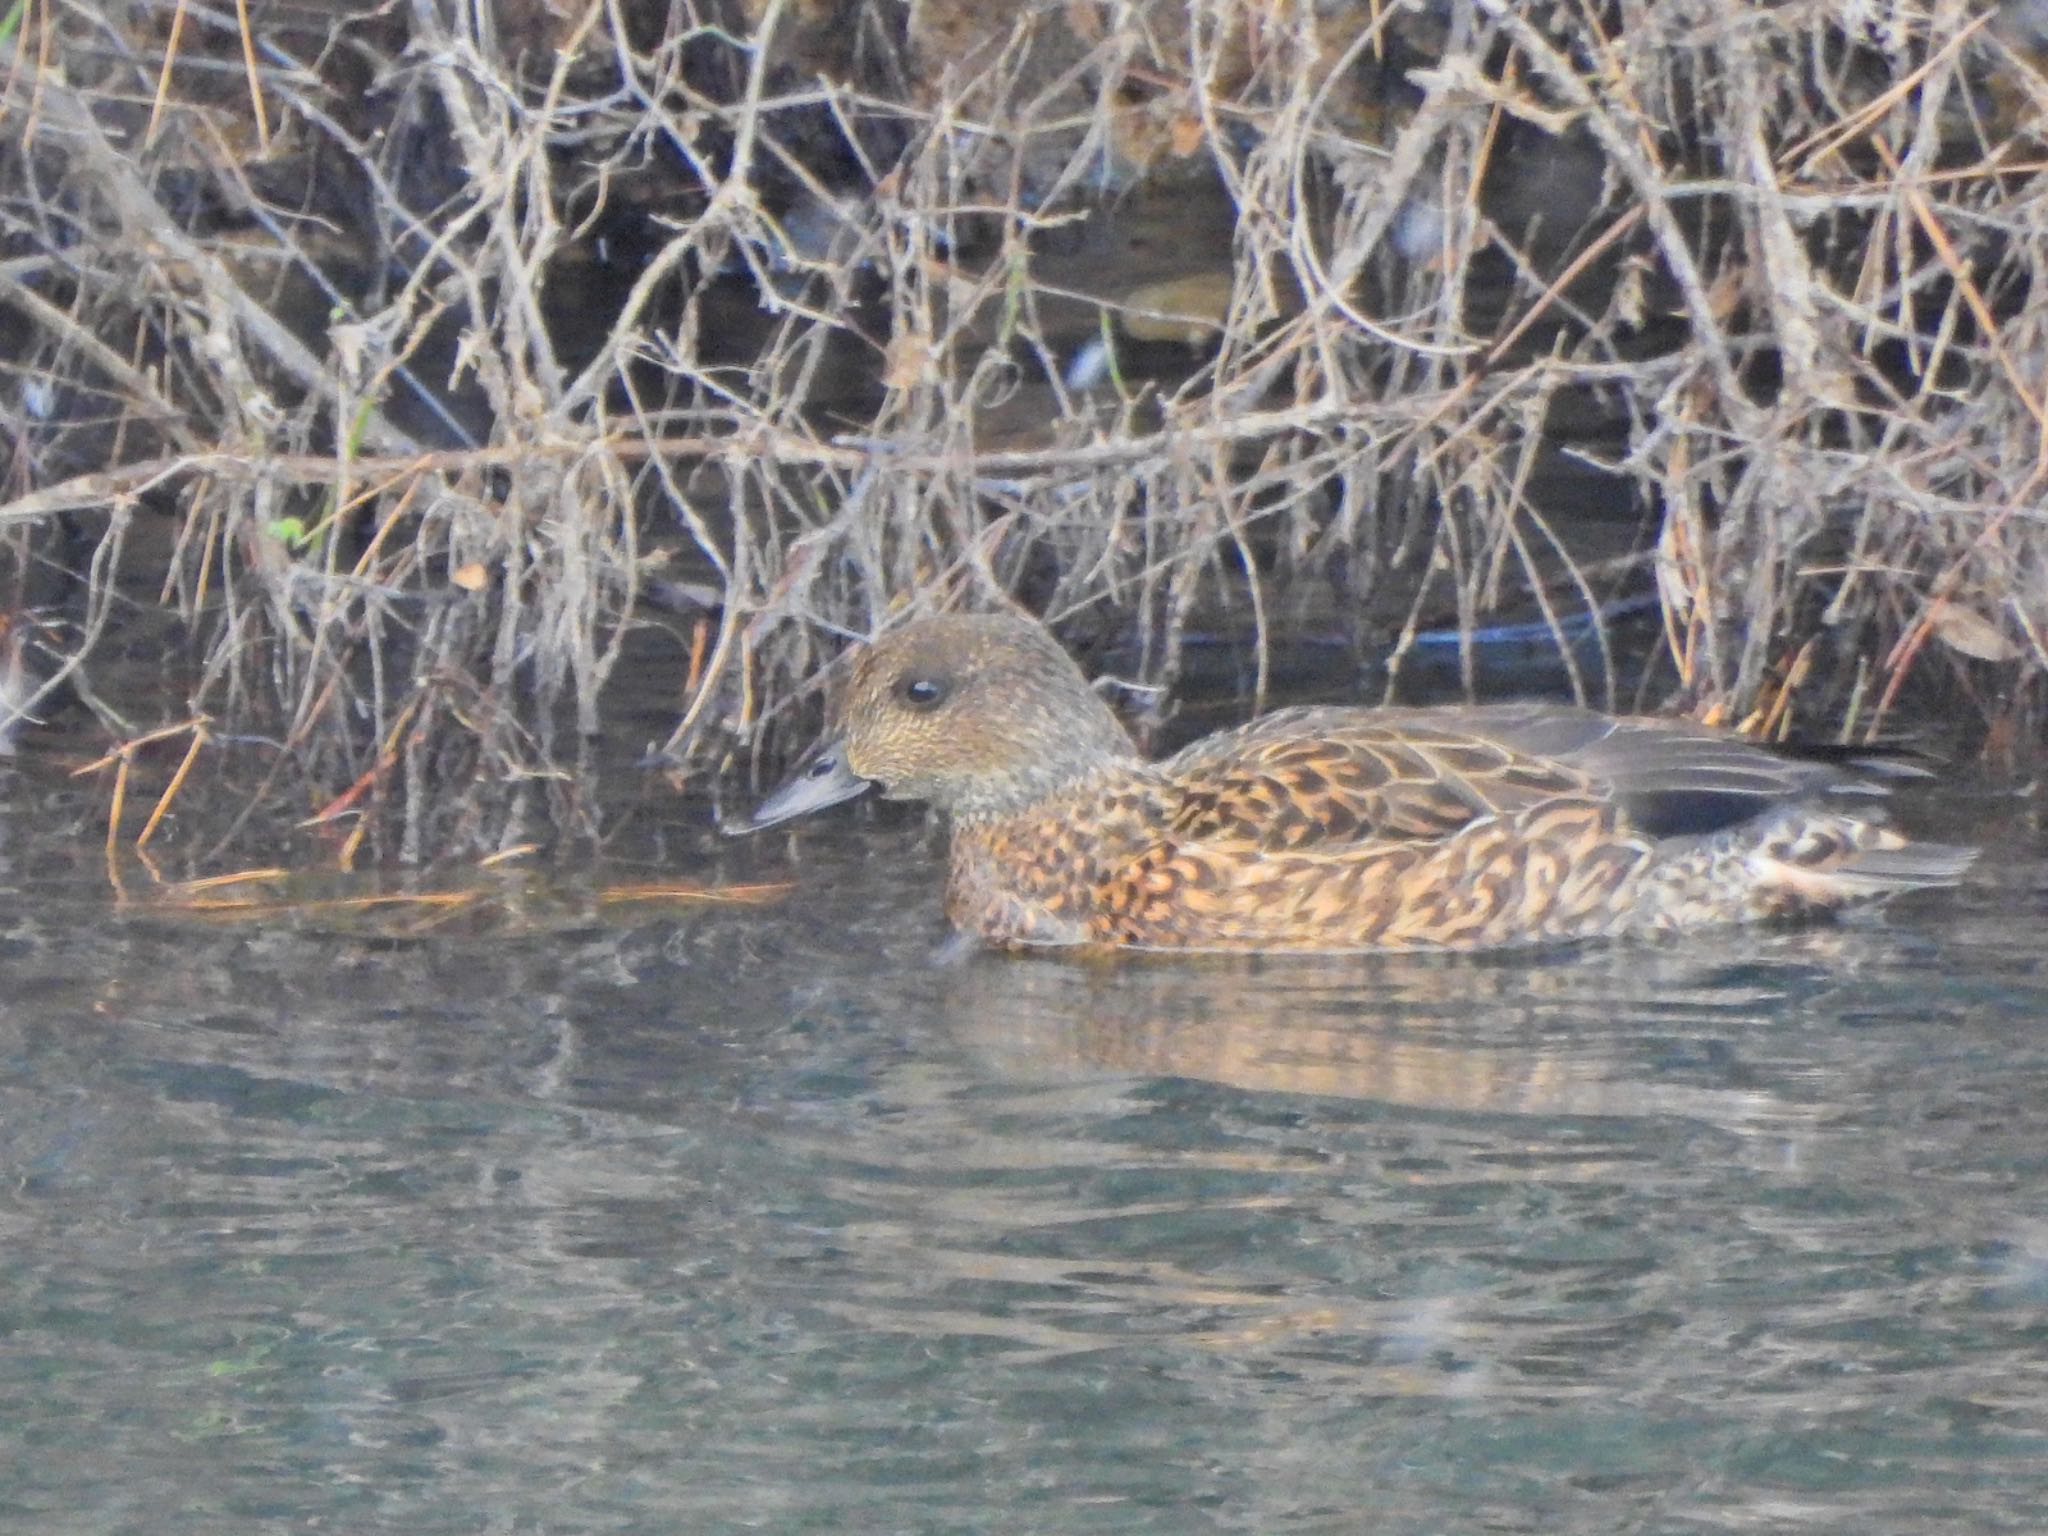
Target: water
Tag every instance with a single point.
(769, 1219)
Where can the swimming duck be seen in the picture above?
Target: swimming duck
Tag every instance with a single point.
(1324, 828)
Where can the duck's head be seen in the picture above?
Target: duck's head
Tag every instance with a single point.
(982, 715)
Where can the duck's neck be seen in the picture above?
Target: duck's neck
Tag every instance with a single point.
(1046, 792)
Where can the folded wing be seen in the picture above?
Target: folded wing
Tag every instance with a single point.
(1347, 781)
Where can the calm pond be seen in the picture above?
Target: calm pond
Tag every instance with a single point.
(771, 1218)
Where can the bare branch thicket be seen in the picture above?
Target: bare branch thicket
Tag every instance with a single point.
(429, 340)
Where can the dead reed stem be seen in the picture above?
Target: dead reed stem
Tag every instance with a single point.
(428, 344)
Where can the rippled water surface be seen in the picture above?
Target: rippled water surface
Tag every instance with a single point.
(774, 1219)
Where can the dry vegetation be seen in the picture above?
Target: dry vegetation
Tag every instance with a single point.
(398, 377)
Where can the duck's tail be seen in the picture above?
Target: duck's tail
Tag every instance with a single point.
(1847, 860)
(1916, 866)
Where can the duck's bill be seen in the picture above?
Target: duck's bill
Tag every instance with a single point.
(820, 779)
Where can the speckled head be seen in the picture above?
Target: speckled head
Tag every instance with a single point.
(982, 715)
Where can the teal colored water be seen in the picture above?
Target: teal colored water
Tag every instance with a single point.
(775, 1219)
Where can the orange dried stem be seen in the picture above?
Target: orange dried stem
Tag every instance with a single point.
(255, 76)
(163, 804)
(163, 79)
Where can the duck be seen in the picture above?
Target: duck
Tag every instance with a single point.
(1335, 828)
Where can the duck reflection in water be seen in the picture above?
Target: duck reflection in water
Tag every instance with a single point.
(1576, 1034)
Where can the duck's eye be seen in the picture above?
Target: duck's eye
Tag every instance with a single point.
(921, 692)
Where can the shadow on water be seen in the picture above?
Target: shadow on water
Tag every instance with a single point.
(728, 1219)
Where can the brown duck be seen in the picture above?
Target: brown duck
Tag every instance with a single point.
(1330, 828)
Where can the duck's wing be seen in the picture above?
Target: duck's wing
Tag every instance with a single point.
(1345, 781)
(1348, 779)
(1668, 777)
